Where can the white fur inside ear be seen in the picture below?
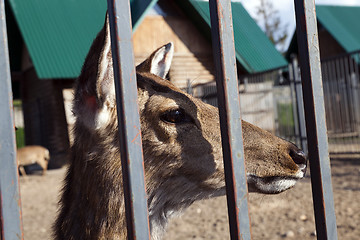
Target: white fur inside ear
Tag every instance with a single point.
(161, 62)
(102, 117)
(104, 60)
(106, 72)
(93, 119)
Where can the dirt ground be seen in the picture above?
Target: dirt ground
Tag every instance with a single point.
(288, 215)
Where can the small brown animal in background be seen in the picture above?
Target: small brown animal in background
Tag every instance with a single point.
(32, 154)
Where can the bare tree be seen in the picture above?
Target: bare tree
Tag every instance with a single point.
(269, 19)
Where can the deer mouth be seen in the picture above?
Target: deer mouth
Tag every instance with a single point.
(273, 184)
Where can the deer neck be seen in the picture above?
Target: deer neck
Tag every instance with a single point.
(93, 199)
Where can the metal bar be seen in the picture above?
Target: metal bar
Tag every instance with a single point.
(10, 204)
(294, 103)
(128, 118)
(230, 118)
(300, 105)
(306, 27)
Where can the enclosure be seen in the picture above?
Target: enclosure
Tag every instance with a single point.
(275, 99)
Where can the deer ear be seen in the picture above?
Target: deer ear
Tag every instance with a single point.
(159, 61)
(105, 75)
(95, 91)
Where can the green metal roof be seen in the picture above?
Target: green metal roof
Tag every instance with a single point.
(342, 22)
(58, 33)
(254, 50)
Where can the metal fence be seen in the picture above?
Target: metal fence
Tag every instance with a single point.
(342, 102)
(223, 48)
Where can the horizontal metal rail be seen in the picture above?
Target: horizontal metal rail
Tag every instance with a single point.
(309, 54)
(137, 219)
(10, 203)
(230, 118)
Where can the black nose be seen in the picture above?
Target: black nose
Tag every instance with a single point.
(299, 157)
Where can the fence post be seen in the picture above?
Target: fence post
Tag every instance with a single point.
(230, 118)
(306, 29)
(299, 104)
(137, 219)
(10, 204)
(294, 104)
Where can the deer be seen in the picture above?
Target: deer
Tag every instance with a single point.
(182, 150)
(33, 154)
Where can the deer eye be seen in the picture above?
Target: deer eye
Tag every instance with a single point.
(176, 116)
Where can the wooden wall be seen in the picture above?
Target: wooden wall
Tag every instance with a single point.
(329, 47)
(192, 56)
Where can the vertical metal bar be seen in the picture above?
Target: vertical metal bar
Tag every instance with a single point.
(300, 105)
(128, 118)
(10, 204)
(294, 104)
(230, 119)
(327, 92)
(306, 27)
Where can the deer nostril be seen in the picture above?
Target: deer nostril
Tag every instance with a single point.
(298, 156)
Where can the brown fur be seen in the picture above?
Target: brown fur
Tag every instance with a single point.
(183, 161)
